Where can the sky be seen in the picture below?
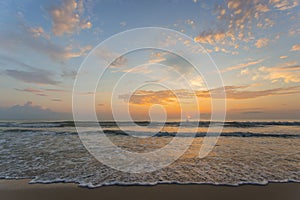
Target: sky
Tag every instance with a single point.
(254, 43)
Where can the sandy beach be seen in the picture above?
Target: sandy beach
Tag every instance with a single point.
(20, 189)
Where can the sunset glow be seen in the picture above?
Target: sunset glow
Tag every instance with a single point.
(255, 45)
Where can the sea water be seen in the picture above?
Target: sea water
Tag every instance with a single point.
(246, 152)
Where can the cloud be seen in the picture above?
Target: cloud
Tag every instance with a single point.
(56, 100)
(26, 39)
(123, 23)
(68, 18)
(235, 20)
(107, 55)
(284, 4)
(262, 42)
(287, 74)
(165, 97)
(242, 65)
(30, 75)
(295, 47)
(174, 61)
(157, 57)
(30, 111)
(283, 57)
(143, 69)
(211, 37)
(234, 92)
(33, 91)
(38, 32)
(262, 7)
(119, 62)
(287, 71)
(41, 92)
(69, 53)
(69, 74)
(153, 97)
(55, 90)
(245, 71)
(294, 31)
(33, 76)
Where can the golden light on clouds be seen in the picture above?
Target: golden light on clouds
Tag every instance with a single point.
(68, 18)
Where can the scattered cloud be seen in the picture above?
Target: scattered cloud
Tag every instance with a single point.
(38, 32)
(295, 47)
(55, 90)
(242, 65)
(33, 91)
(236, 19)
(30, 75)
(157, 57)
(143, 69)
(294, 31)
(69, 74)
(287, 74)
(283, 57)
(119, 62)
(262, 7)
(30, 111)
(68, 18)
(245, 71)
(14, 41)
(153, 97)
(41, 92)
(56, 100)
(232, 92)
(211, 37)
(173, 61)
(108, 55)
(262, 42)
(33, 76)
(286, 71)
(190, 23)
(284, 4)
(69, 53)
(123, 23)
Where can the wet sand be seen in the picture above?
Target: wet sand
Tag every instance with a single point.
(20, 189)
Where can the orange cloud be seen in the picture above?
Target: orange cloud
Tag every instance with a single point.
(283, 57)
(284, 4)
(167, 97)
(235, 22)
(262, 42)
(242, 65)
(69, 53)
(287, 74)
(295, 47)
(38, 32)
(67, 18)
(210, 37)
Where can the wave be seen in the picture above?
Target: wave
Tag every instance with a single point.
(204, 134)
(35, 180)
(159, 134)
(36, 131)
(105, 124)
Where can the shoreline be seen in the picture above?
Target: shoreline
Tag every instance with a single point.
(13, 189)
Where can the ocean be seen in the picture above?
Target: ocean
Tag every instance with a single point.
(247, 152)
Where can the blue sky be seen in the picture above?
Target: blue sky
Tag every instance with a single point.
(255, 44)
